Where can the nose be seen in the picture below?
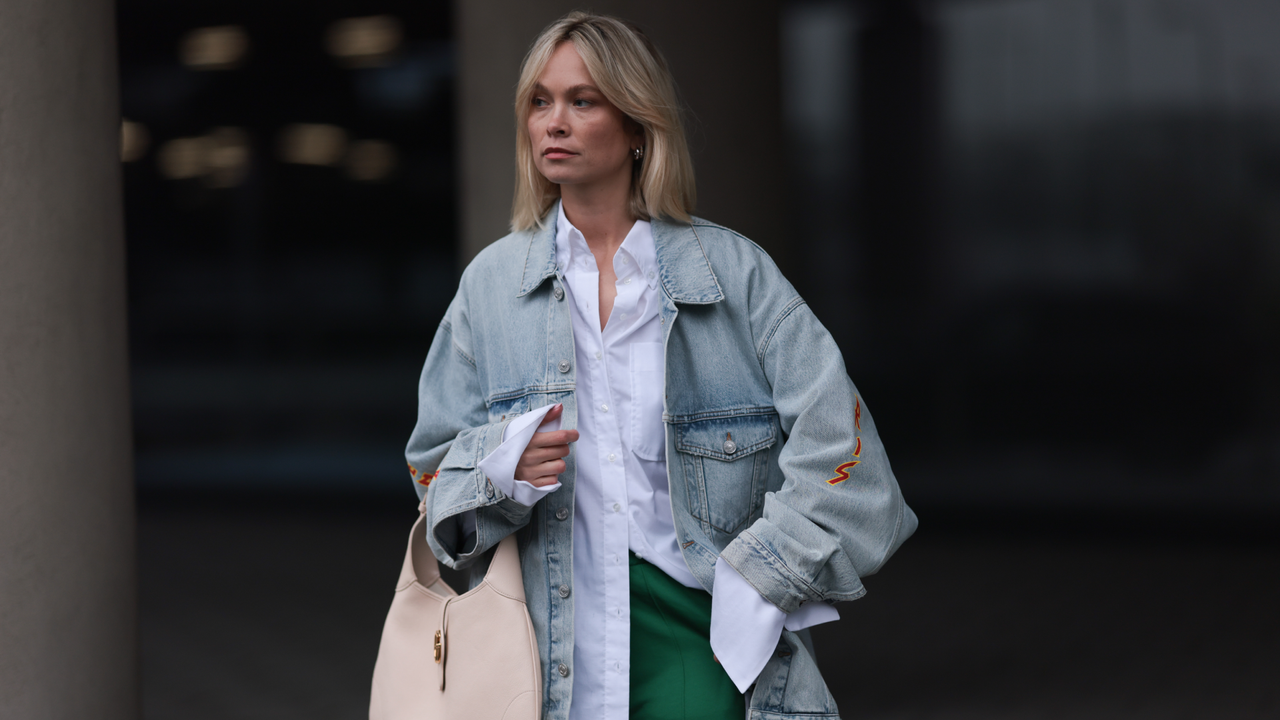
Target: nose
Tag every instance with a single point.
(556, 124)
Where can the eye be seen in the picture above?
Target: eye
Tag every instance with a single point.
(539, 102)
(582, 102)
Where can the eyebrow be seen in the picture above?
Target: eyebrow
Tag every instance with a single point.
(584, 87)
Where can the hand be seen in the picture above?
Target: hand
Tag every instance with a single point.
(542, 461)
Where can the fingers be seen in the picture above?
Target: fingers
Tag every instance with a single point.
(542, 461)
(555, 437)
(533, 456)
(552, 414)
(533, 472)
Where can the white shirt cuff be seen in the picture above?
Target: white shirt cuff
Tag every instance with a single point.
(745, 627)
(500, 465)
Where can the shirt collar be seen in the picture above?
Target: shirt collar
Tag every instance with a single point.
(684, 271)
(637, 246)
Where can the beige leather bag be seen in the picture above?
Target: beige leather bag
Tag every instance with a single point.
(446, 656)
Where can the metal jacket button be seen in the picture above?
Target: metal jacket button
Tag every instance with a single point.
(488, 489)
(730, 447)
(559, 293)
(563, 670)
(564, 366)
(564, 591)
(562, 514)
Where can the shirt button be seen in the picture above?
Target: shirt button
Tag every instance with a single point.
(562, 514)
(559, 293)
(617, 666)
(564, 366)
(612, 457)
(730, 447)
(650, 274)
(564, 591)
(597, 354)
(563, 670)
(604, 407)
(627, 281)
(617, 507)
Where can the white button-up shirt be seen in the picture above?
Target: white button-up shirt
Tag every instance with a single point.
(622, 500)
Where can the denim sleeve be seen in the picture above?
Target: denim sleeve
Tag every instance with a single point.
(839, 514)
(452, 435)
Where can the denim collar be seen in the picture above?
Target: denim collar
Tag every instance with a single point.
(683, 267)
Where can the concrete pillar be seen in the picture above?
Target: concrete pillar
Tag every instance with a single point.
(724, 56)
(68, 628)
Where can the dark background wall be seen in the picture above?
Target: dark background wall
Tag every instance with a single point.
(281, 299)
(1056, 241)
(1046, 234)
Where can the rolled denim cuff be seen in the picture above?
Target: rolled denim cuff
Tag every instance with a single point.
(770, 576)
(463, 488)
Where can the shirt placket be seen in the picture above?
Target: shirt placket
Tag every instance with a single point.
(617, 570)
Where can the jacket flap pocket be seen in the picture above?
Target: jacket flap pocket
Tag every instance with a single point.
(727, 438)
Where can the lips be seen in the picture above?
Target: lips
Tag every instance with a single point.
(556, 153)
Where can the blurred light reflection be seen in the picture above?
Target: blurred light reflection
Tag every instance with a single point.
(214, 48)
(134, 141)
(364, 42)
(221, 158)
(312, 144)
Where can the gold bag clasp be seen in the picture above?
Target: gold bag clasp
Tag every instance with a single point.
(438, 647)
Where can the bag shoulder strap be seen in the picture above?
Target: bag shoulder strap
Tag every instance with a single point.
(504, 570)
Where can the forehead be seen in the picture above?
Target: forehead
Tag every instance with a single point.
(565, 68)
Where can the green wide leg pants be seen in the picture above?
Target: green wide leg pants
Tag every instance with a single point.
(674, 675)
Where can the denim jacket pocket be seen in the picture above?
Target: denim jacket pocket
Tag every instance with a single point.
(506, 408)
(724, 467)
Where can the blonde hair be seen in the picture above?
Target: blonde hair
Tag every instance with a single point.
(632, 75)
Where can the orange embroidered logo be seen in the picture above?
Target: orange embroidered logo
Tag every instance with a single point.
(425, 479)
(842, 471)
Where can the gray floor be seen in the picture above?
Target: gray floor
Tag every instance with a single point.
(253, 609)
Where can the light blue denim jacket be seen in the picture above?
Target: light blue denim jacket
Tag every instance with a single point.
(763, 428)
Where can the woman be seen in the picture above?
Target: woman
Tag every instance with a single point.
(643, 398)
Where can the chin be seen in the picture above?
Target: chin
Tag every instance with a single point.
(560, 176)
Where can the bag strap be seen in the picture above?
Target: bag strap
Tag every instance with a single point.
(419, 562)
(504, 570)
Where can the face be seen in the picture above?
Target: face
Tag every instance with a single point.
(578, 137)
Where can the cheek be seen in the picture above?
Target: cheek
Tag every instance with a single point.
(607, 135)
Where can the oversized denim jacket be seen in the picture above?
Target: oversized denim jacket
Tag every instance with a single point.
(774, 462)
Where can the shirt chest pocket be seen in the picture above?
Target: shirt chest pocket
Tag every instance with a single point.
(648, 434)
(725, 466)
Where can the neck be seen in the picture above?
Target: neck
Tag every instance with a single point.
(600, 212)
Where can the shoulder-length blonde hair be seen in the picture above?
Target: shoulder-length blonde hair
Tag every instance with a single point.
(632, 75)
